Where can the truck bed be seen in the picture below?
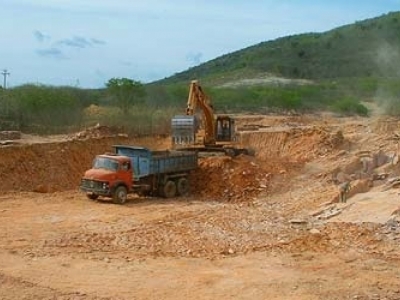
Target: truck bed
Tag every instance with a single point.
(172, 161)
(146, 162)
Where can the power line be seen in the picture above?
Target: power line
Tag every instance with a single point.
(5, 73)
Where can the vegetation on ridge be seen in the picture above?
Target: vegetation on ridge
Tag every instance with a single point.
(340, 70)
(368, 48)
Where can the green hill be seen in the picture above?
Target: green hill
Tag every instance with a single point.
(369, 48)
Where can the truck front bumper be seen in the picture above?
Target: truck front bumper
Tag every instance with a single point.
(95, 187)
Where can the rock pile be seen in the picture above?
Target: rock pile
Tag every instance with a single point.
(98, 131)
(10, 135)
(224, 178)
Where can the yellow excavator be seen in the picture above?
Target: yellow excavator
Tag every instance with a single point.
(205, 131)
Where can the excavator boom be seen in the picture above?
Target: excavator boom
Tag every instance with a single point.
(197, 98)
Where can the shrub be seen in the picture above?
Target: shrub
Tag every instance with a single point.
(350, 106)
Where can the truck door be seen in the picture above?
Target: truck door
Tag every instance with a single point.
(143, 166)
(140, 166)
(135, 166)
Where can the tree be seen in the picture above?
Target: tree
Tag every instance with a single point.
(126, 92)
(45, 108)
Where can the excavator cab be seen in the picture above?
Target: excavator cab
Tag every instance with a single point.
(225, 127)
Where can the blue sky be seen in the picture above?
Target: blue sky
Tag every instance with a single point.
(86, 42)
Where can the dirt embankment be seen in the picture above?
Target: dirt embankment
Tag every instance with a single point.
(279, 154)
(300, 144)
(58, 166)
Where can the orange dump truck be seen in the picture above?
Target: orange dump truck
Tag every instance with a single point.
(132, 169)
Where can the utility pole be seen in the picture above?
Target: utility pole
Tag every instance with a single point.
(5, 74)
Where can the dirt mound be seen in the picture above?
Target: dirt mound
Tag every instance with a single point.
(230, 179)
(238, 179)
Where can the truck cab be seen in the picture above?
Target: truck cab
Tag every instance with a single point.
(108, 174)
(134, 169)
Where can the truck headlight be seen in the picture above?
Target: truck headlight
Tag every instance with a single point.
(105, 185)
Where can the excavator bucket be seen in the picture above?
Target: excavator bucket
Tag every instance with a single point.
(183, 130)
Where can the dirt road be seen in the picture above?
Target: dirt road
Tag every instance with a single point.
(61, 246)
(250, 230)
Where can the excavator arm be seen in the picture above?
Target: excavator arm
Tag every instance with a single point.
(197, 98)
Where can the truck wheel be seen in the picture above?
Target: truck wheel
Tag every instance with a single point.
(92, 196)
(169, 189)
(182, 186)
(120, 195)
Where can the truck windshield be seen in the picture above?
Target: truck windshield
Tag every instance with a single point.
(105, 163)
